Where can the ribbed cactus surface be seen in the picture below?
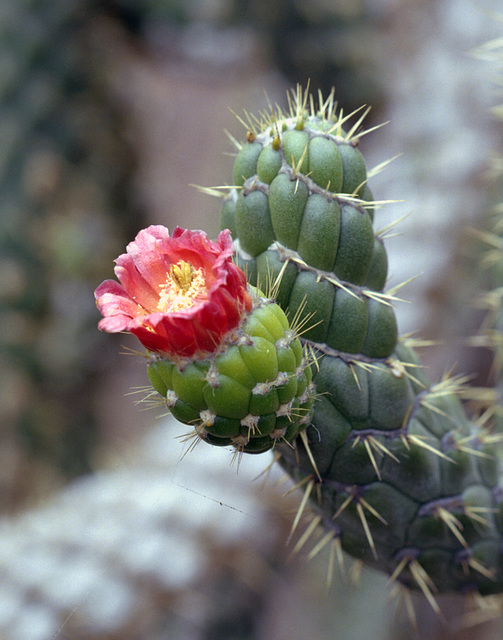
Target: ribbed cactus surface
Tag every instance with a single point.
(395, 471)
(252, 395)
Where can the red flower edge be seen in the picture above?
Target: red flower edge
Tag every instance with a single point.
(180, 295)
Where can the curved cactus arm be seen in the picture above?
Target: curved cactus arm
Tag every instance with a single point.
(394, 469)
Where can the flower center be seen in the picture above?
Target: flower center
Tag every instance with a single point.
(183, 286)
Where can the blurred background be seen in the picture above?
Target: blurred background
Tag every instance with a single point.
(109, 110)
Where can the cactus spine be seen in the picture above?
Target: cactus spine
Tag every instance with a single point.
(395, 471)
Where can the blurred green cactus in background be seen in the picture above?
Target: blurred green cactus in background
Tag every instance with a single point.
(397, 473)
(64, 163)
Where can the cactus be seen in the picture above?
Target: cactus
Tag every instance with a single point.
(395, 471)
(221, 355)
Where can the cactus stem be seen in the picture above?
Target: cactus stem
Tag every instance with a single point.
(289, 255)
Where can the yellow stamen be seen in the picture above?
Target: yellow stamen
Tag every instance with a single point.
(183, 286)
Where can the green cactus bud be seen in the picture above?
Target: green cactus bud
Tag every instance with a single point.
(252, 393)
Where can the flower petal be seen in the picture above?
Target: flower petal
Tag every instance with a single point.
(192, 331)
(151, 264)
(116, 306)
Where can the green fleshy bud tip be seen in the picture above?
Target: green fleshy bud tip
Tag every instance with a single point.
(252, 393)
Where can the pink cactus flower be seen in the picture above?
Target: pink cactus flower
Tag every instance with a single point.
(180, 295)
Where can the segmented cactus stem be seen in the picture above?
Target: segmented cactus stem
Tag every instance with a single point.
(395, 472)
